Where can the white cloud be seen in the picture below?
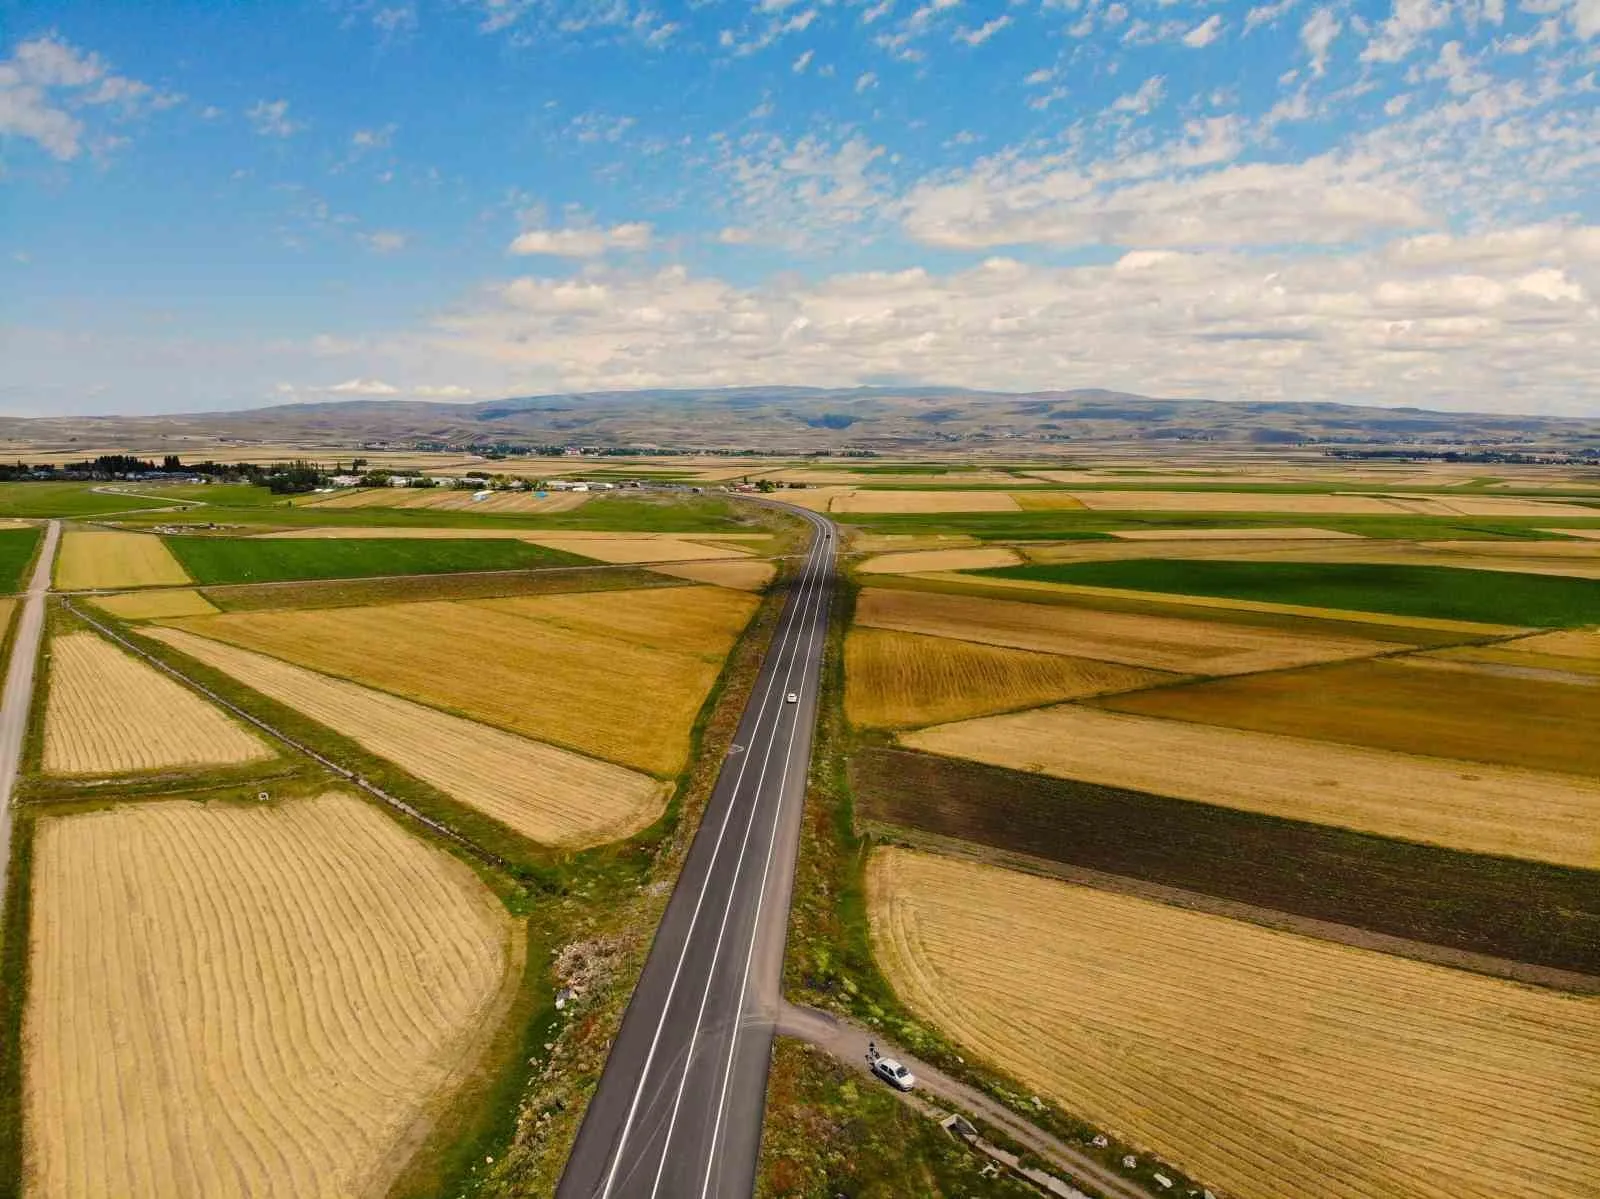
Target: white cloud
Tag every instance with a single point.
(793, 194)
(1142, 102)
(1409, 21)
(1205, 33)
(582, 241)
(1037, 78)
(1585, 17)
(449, 391)
(363, 387)
(384, 241)
(270, 118)
(373, 139)
(47, 87)
(866, 81)
(976, 37)
(1266, 14)
(801, 63)
(1317, 36)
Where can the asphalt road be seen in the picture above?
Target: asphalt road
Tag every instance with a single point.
(18, 695)
(679, 1107)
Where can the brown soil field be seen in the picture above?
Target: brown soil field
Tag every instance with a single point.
(976, 558)
(924, 501)
(644, 547)
(451, 500)
(1162, 642)
(550, 795)
(1233, 535)
(897, 680)
(1402, 705)
(1234, 501)
(1482, 809)
(1046, 501)
(1265, 1063)
(152, 605)
(590, 692)
(1390, 622)
(247, 1001)
(741, 576)
(94, 558)
(1275, 871)
(109, 713)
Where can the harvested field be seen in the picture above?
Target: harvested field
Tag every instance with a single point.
(348, 533)
(1235, 501)
(1432, 592)
(109, 713)
(94, 558)
(957, 559)
(587, 691)
(1481, 809)
(1267, 534)
(1402, 705)
(348, 593)
(1162, 642)
(1575, 669)
(1262, 1062)
(1476, 505)
(741, 576)
(896, 680)
(862, 542)
(153, 605)
(450, 500)
(263, 1001)
(646, 547)
(1510, 908)
(1583, 534)
(1047, 501)
(702, 621)
(1573, 643)
(924, 501)
(547, 794)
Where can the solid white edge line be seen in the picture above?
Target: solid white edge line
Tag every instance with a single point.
(683, 953)
(806, 613)
(755, 935)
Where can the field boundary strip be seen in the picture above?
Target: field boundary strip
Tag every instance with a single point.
(349, 776)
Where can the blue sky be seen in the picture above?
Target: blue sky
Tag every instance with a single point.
(219, 206)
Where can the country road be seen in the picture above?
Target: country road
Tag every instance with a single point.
(679, 1108)
(17, 698)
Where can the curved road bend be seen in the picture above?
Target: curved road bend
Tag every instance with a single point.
(679, 1107)
(18, 695)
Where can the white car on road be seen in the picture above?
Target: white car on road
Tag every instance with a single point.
(893, 1073)
(792, 698)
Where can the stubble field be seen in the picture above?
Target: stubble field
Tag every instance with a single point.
(247, 1001)
(741, 576)
(1481, 808)
(109, 713)
(895, 680)
(153, 605)
(620, 678)
(1161, 642)
(440, 499)
(96, 558)
(551, 795)
(650, 547)
(1263, 1062)
(922, 502)
(954, 559)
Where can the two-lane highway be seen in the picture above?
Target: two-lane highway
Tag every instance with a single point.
(679, 1107)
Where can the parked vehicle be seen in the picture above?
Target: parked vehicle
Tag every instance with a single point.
(893, 1073)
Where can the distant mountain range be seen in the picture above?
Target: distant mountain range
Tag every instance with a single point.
(800, 419)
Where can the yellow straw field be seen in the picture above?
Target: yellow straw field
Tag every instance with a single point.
(699, 620)
(1569, 643)
(548, 794)
(645, 547)
(1481, 808)
(1272, 534)
(584, 689)
(957, 559)
(1264, 1063)
(154, 605)
(1235, 501)
(262, 1001)
(94, 558)
(924, 501)
(741, 576)
(109, 713)
(896, 680)
(441, 499)
(1162, 642)
(1047, 501)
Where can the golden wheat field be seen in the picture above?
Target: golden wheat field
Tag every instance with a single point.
(896, 680)
(1568, 643)
(924, 501)
(109, 713)
(1264, 1063)
(1234, 501)
(1583, 534)
(261, 1001)
(441, 499)
(153, 605)
(589, 691)
(976, 558)
(698, 620)
(1404, 704)
(366, 533)
(1161, 642)
(1272, 534)
(1521, 661)
(95, 558)
(645, 547)
(551, 795)
(1484, 809)
(1046, 501)
(741, 576)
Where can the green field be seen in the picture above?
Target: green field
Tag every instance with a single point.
(17, 547)
(212, 560)
(1446, 592)
(1074, 525)
(65, 499)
